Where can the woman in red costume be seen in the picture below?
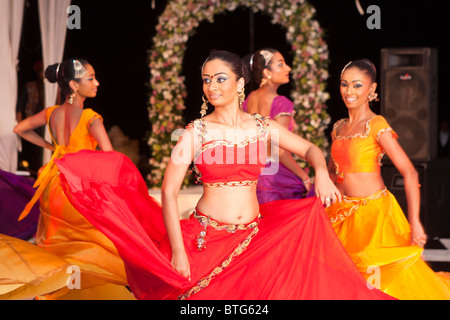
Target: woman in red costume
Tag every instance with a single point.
(230, 247)
(64, 238)
(369, 221)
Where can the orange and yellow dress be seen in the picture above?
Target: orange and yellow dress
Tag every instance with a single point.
(66, 241)
(374, 229)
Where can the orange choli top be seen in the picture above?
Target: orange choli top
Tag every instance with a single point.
(79, 140)
(359, 152)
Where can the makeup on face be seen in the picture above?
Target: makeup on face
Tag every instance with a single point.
(219, 83)
(355, 87)
(221, 77)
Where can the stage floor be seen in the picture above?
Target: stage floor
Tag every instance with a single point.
(437, 254)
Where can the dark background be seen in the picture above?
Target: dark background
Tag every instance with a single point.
(115, 38)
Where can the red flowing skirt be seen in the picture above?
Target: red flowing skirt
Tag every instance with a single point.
(292, 253)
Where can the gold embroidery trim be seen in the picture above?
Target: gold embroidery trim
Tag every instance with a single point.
(231, 228)
(230, 184)
(356, 204)
(215, 143)
(383, 131)
(94, 117)
(281, 114)
(205, 281)
(357, 135)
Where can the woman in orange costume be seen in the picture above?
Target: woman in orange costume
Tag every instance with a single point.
(369, 222)
(62, 232)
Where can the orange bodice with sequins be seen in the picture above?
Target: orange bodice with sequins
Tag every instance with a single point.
(359, 152)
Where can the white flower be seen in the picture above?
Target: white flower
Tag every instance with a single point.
(167, 95)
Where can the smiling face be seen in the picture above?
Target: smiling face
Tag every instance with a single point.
(278, 71)
(220, 85)
(356, 86)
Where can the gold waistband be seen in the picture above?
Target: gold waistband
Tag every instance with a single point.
(373, 196)
(208, 221)
(351, 204)
(230, 184)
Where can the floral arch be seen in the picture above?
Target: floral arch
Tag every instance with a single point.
(175, 26)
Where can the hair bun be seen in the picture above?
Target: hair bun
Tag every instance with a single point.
(51, 73)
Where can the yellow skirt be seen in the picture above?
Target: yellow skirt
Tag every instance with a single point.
(27, 271)
(376, 234)
(71, 261)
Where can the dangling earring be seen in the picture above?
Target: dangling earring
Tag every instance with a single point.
(204, 107)
(263, 82)
(373, 97)
(71, 97)
(241, 97)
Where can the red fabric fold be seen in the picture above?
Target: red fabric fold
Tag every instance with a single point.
(294, 255)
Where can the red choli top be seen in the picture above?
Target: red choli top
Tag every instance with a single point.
(221, 163)
(359, 152)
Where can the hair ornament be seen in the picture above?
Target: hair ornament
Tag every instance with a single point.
(267, 56)
(345, 68)
(80, 70)
(364, 61)
(369, 63)
(251, 62)
(57, 71)
(204, 63)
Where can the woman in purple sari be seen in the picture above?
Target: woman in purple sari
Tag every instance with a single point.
(282, 178)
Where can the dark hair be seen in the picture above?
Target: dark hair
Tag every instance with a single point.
(364, 65)
(256, 63)
(232, 60)
(63, 73)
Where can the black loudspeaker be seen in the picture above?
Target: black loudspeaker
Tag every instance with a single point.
(409, 98)
(434, 177)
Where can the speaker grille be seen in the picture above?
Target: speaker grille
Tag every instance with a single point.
(412, 135)
(408, 98)
(406, 91)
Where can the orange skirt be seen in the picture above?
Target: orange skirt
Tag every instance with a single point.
(376, 234)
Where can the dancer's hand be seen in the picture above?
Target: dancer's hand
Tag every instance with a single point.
(180, 263)
(418, 235)
(326, 190)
